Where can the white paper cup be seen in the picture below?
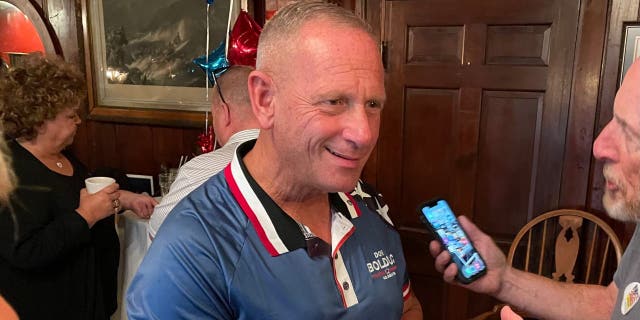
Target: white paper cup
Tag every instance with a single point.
(96, 184)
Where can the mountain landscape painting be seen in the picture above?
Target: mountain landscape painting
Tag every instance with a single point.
(154, 42)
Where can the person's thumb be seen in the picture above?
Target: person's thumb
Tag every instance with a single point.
(507, 314)
(470, 228)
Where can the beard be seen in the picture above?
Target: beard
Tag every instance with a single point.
(616, 203)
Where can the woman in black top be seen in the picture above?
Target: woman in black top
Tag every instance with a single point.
(59, 249)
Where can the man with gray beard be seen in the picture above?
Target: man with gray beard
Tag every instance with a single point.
(618, 145)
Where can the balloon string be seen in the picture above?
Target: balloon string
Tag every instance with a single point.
(206, 122)
(226, 46)
(206, 54)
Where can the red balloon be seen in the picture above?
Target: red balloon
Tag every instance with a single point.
(205, 141)
(243, 41)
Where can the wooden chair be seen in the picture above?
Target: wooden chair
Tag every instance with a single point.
(566, 245)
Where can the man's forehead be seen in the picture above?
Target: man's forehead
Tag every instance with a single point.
(337, 46)
(627, 102)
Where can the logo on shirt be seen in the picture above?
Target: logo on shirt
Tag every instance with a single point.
(382, 266)
(630, 297)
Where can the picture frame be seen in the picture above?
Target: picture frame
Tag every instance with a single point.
(141, 183)
(139, 58)
(16, 59)
(630, 47)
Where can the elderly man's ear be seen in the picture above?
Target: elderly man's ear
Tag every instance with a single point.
(261, 91)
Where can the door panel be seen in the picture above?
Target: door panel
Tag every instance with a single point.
(478, 97)
(507, 152)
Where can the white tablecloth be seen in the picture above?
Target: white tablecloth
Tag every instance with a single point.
(132, 232)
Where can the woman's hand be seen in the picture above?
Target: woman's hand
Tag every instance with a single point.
(97, 206)
(141, 204)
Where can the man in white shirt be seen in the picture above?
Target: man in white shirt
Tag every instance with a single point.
(233, 123)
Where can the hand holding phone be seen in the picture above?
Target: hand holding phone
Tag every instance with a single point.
(440, 220)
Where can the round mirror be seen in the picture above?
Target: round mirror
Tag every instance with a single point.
(22, 31)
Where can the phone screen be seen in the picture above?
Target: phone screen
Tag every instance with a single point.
(445, 225)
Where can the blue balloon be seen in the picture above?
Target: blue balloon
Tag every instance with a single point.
(210, 1)
(216, 65)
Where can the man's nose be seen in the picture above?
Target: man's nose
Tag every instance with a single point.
(358, 127)
(604, 148)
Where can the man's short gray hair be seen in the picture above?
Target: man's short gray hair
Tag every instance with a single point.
(233, 85)
(284, 26)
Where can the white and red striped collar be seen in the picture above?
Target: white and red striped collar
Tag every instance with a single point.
(278, 232)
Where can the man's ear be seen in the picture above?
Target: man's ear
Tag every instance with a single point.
(261, 91)
(225, 114)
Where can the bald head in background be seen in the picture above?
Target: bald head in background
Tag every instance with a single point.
(234, 113)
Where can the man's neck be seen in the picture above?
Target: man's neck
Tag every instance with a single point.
(305, 205)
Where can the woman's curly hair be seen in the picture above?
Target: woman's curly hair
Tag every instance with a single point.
(37, 91)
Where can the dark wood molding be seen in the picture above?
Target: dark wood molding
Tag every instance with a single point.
(584, 99)
(169, 118)
(258, 7)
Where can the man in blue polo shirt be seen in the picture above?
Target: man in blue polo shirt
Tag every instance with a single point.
(287, 231)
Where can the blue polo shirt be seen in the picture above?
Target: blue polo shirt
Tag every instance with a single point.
(227, 251)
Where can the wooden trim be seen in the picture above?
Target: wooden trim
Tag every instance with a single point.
(584, 98)
(258, 10)
(170, 118)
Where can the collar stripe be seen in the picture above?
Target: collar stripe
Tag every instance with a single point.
(238, 195)
(341, 274)
(354, 210)
(339, 286)
(257, 209)
(343, 240)
(406, 290)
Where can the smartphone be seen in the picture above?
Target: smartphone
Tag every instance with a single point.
(438, 217)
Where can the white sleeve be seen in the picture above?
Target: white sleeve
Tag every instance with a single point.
(179, 189)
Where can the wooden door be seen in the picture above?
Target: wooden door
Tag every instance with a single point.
(478, 96)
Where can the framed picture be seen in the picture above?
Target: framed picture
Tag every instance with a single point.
(141, 183)
(630, 47)
(16, 59)
(139, 57)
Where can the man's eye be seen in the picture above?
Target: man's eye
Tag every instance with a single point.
(335, 102)
(374, 104)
